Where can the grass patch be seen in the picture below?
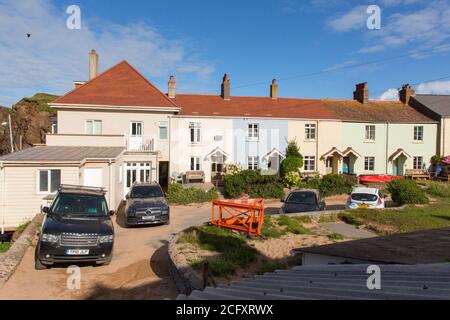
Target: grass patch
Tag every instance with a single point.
(438, 189)
(303, 219)
(4, 246)
(271, 229)
(335, 237)
(328, 219)
(20, 229)
(233, 251)
(408, 219)
(292, 225)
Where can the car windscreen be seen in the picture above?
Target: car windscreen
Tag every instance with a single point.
(144, 192)
(80, 205)
(364, 197)
(308, 198)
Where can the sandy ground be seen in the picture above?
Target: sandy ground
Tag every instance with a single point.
(138, 270)
(139, 267)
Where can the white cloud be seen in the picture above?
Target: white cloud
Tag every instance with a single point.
(356, 18)
(54, 56)
(434, 87)
(390, 94)
(425, 27)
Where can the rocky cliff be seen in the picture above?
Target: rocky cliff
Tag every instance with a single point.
(30, 119)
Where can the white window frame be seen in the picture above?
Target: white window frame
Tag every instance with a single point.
(49, 181)
(137, 123)
(310, 131)
(253, 163)
(93, 121)
(369, 134)
(367, 164)
(195, 164)
(416, 161)
(196, 129)
(253, 131)
(418, 133)
(163, 124)
(309, 163)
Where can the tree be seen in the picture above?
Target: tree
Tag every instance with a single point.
(294, 160)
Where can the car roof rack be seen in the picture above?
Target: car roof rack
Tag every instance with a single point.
(72, 187)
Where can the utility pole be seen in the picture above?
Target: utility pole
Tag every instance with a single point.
(10, 133)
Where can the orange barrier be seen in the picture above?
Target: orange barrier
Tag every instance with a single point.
(245, 215)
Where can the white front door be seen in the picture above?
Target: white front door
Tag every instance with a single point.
(93, 177)
(137, 171)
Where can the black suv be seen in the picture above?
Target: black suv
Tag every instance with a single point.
(146, 204)
(77, 228)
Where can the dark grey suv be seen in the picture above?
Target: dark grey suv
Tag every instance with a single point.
(146, 205)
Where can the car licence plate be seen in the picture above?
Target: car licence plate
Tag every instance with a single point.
(77, 252)
(363, 206)
(148, 218)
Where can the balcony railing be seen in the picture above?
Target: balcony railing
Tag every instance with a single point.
(140, 143)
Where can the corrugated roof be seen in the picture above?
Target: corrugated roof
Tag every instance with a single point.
(439, 104)
(57, 153)
(333, 282)
(420, 247)
(122, 85)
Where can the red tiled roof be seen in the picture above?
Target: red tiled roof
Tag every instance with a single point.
(214, 105)
(122, 85)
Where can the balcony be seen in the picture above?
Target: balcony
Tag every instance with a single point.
(140, 143)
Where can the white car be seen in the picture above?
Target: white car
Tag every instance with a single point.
(366, 198)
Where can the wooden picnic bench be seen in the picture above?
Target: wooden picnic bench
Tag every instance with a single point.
(195, 175)
(417, 174)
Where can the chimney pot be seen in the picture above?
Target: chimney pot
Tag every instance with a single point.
(361, 94)
(172, 88)
(274, 89)
(93, 64)
(226, 87)
(406, 93)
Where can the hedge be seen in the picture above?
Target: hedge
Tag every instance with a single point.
(331, 184)
(406, 192)
(254, 184)
(177, 194)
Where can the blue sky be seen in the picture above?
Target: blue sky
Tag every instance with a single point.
(254, 41)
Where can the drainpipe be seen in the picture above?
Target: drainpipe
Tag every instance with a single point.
(387, 147)
(317, 146)
(109, 182)
(2, 168)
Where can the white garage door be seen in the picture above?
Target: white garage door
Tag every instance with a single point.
(93, 177)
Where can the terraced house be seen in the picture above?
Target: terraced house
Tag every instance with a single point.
(118, 128)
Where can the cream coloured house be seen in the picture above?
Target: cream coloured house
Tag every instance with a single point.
(118, 128)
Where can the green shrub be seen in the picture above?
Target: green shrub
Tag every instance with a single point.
(290, 164)
(179, 195)
(271, 230)
(254, 184)
(313, 183)
(292, 179)
(335, 184)
(406, 192)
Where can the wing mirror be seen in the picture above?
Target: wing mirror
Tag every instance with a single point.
(127, 196)
(46, 210)
(283, 200)
(112, 212)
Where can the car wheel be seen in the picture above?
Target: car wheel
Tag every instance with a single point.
(38, 265)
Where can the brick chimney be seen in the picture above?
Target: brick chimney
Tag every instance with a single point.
(406, 93)
(93, 64)
(226, 87)
(274, 89)
(171, 93)
(361, 94)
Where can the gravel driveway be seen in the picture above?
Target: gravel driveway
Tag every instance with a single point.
(138, 270)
